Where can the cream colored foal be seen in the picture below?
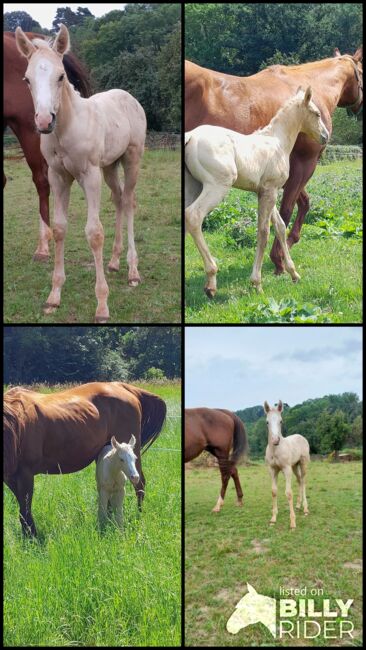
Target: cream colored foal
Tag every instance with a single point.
(79, 138)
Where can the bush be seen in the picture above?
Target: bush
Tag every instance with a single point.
(154, 374)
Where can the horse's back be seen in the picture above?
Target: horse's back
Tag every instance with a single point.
(300, 445)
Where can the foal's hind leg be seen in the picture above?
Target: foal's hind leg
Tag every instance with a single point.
(209, 198)
(131, 164)
(303, 475)
(297, 471)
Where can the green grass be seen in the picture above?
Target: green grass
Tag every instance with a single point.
(328, 258)
(158, 239)
(76, 587)
(221, 556)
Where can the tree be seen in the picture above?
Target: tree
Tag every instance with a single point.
(69, 18)
(14, 19)
(332, 431)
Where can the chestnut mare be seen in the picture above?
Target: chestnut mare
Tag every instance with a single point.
(19, 116)
(245, 104)
(217, 431)
(63, 432)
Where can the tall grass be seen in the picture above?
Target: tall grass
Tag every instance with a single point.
(77, 587)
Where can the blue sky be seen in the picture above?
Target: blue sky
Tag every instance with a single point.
(45, 13)
(237, 367)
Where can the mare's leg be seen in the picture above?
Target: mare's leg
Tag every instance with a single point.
(239, 491)
(30, 143)
(60, 183)
(274, 475)
(140, 487)
(288, 476)
(280, 229)
(266, 202)
(113, 181)
(209, 198)
(131, 165)
(91, 183)
(225, 471)
(103, 499)
(24, 494)
(300, 172)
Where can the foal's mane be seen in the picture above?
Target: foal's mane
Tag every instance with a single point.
(279, 115)
(14, 423)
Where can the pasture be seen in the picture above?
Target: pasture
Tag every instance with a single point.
(78, 587)
(328, 258)
(225, 551)
(158, 241)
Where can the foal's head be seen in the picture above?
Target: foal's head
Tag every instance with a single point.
(127, 458)
(311, 121)
(45, 74)
(274, 422)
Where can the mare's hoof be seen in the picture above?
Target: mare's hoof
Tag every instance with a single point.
(296, 278)
(210, 293)
(48, 308)
(279, 270)
(40, 257)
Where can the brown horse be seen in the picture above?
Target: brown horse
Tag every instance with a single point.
(64, 432)
(217, 431)
(245, 104)
(19, 116)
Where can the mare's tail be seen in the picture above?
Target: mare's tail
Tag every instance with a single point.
(153, 415)
(240, 440)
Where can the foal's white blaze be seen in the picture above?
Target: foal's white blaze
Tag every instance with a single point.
(45, 82)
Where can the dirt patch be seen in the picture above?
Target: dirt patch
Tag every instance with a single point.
(258, 546)
(355, 564)
(225, 594)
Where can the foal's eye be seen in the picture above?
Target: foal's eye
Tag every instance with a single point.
(61, 77)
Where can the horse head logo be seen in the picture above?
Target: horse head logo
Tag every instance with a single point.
(253, 608)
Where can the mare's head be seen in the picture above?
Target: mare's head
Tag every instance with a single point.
(127, 458)
(352, 95)
(311, 120)
(274, 422)
(45, 74)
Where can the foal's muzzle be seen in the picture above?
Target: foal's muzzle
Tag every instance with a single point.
(50, 127)
(135, 479)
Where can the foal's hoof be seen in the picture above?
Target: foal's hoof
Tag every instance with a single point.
(113, 268)
(134, 282)
(49, 308)
(40, 257)
(210, 293)
(101, 319)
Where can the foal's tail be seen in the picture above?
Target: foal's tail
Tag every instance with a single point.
(240, 440)
(153, 415)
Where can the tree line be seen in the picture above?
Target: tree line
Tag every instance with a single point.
(329, 423)
(82, 354)
(137, 48)
(244, 38)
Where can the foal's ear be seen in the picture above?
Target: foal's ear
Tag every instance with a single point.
(114, 442)
(132, 441)
(280, 406)
(61, 44)
(267, 407)
(308, 94)
(24, 45)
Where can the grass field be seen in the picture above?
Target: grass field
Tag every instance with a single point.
(328, 258)
(225, 551)
(158, 241)
(78, 588)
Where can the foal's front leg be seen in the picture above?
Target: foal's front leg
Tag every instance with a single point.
(280, 229)
(91, 183)
(60, 183)
(274, 476)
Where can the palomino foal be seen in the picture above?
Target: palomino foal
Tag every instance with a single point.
(288, 455)
(115, 463)
(217, 159)
(79, 137)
